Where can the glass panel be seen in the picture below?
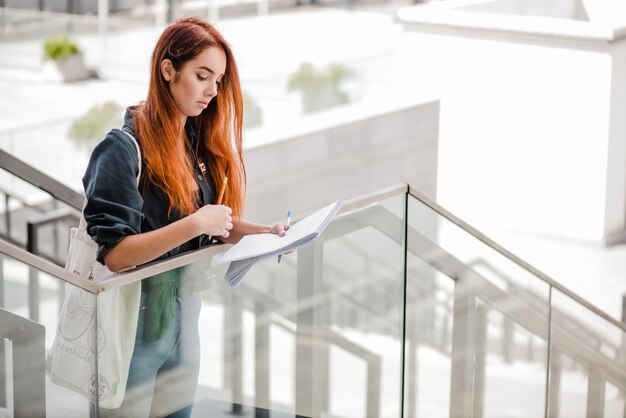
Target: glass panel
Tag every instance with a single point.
(514, 360)
(362, 308)
(30, 293)
(587, 363)
(48, 148)
(484, 317)
(319, 334)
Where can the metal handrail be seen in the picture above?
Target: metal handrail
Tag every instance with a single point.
(41, 180)
(508, 254)
(151, 269)
(46, 266)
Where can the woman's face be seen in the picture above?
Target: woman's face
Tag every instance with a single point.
(195, 84)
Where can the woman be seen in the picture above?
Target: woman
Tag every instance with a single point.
(190, 133)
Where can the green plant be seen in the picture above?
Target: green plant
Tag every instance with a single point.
(59, 48)
(252, 113)
(320, 88)
(96, 123)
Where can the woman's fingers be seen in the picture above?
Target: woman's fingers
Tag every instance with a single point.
(280, 229)
(215, 220)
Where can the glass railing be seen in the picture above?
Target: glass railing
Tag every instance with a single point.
(28, 321)
(318, 334)
(48, 148)
(488, 335)
(397, 309)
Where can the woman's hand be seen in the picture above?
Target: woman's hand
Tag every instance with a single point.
(214, 220)
(279, 229)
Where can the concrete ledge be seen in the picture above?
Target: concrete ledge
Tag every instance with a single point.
(450, 15)
(341, 153)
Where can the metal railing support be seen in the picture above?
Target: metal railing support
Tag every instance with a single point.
(463, 348)
(233, 351)
(261, 361)
(554, 386)
(372, 406)
(412, 368)
(530, 348)
(29, 383)
(622, 356)
(33, 294)
(7, 214)
(508, 344)
(3, 375)
(311, 362)
(595, 393)
(3, 372)
(51, 217)
(480, 363)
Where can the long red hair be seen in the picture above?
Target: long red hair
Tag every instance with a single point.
(219, 127)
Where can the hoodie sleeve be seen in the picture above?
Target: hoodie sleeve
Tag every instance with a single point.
(114, 203)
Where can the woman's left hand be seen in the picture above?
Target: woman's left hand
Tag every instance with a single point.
(279, 229)
(241, 228)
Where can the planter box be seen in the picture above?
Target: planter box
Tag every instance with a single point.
(66, 70)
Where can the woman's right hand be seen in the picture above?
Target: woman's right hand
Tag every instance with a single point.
(214, 220)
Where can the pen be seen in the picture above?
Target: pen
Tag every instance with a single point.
(221, 195)
(280, 256)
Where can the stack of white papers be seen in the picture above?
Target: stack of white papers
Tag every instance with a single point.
(253, 248)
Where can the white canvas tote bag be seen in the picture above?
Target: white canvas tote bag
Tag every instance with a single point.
(71, 361)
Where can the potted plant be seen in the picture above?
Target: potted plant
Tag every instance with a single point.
(320, 88)
(66, 58)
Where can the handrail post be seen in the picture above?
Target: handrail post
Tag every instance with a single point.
(507, 340)
(595, 393)
(311, 372)
(480, 364)
(7, 214)
(463, 347)
(233, 351)
(622, 356)
(29, 383)
(412, 368)
(261, 361)
(554, 387)
(372, 407)
(3, 373)
(33, 274)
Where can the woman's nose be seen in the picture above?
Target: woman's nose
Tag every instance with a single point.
(211, 91)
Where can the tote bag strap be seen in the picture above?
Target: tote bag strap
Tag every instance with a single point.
(83, 223)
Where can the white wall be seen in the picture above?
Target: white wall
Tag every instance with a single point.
(340, 154)
(531, 135)
(566, 9)
(616, 161)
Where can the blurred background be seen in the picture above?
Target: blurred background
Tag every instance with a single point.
(509, 114)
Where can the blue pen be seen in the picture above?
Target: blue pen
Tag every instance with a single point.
(280, 256)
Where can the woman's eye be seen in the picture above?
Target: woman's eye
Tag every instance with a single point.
(201, 78)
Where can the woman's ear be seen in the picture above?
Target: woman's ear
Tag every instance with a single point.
(167, 69)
